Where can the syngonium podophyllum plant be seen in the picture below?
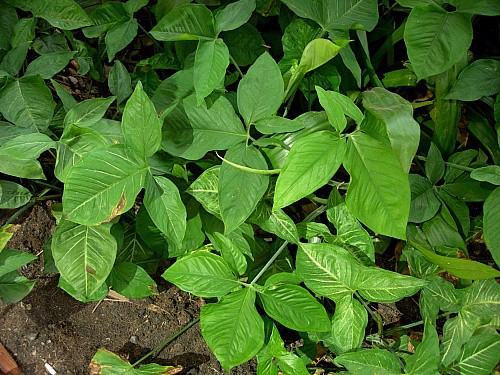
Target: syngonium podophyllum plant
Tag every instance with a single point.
(273, 179)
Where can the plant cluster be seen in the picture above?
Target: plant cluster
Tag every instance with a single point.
(269, 151)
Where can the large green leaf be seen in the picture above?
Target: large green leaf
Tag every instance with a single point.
(191, 131)
(483, 7)
(369, 362)
(234, 15)
(491, 224)
(73, 145)
(311, 163)
(479, 356)
(260, 92)
(27, 102)
(481, 78)
(64, 14)
(348, 324)
(338, 14)
(186, 22)
(376, 174)
(436, 39)
(102, 185)
(120, 36)
(210, 64)
(49, 64)
(240, 191)
(294, 307)
(205, 189)
(111, 364)
(88, 112)
(202, 274)
(140, 124)
(232, 328)
(84, 255)
(13, 195)
(391, 116)
(164, 205)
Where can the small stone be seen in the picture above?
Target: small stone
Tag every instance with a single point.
(133, 339)
(27, 306)
(49, 342)
(33, 353)
(32, 336)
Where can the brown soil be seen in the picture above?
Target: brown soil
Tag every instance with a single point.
(49, 326)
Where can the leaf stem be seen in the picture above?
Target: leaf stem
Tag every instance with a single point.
(233, 61)
(155, 42)
(158, 348)
(453, 165)
(411, 325)
(266, 172)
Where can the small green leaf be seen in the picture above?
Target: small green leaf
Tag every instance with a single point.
(202, 274)
(11, 260)
(120, 36)
(229, 252)
(436, 39)
(109, 363)
(311, 163)
(119, 82)
(369, 362)
(275, 124)
(434, 165)
(13, 195)
(424, 203)
(88, 112)
(481, 78)
(210, 64)
(234, 15)
(49, 64)
(84, 255)
(205, 189)
(348, 324)
(173, 90)
(240, 191)
(131, 281)
(275, 221)
(463, 268)
(140, 124)
(426, 359)
(491, 224)
(232, 328)
(489, 174)
(164, 205)
(260, 92)
(333, 109)
(248, 36)
(295, 308)
(14, 287)
(185, 22)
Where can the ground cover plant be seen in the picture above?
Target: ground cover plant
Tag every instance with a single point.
(299, 163)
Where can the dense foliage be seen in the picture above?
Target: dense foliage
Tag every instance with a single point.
(299, 162)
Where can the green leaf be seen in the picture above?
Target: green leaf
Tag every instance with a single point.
(164, 205)
(27, 102)
(434, 165)
(312, 161)
(481, 78)
(75, 143)
(67, 99)
(294, 307)
(133, 6)
(348, 324)
(205, 189)
(135, 248)
(64, 14)
(261, 90)
(240, 191)
(11, 260)
(437, 295)
(426, 359)
(172, 90)
(10, 131)
(131, 281)
(210, 64)
(14, 287)
(6, 233)
(140, 124)
(275, 221)
(102, 185)
(119, 82)
(191, 131)
(120, 36)
(376, 173)
(88, 112)
(229, 252)
(489, 174)
(13, 195)
(369, 362)
(436, 39)
(296, 37)
(49, 64)
(463, 268)
(8, 20)
(202, 274)
(84, 255)
(483, 7)
(186, 22)
(232, 328)
(424, 203)
(248, 36)
(275, 124)
(391, 116)
(491, 224)
(338, 14)
(479, 356)
(234, 15)
(333, 109)
(108, 363)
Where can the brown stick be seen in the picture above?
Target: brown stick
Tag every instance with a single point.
(7, 364)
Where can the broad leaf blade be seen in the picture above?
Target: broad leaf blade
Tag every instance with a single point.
(234, 15)
(348, 324)
(88, 112)
(369, 362)
(13, 195)
(491, 224)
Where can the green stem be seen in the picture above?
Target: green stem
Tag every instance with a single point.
(453, 165)
(158, 348)
(411, 325)
(47, 185)
(47, 197)
(155, 42)
(19, 212)
(233, 61)
(265, 172)
(375, 317)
